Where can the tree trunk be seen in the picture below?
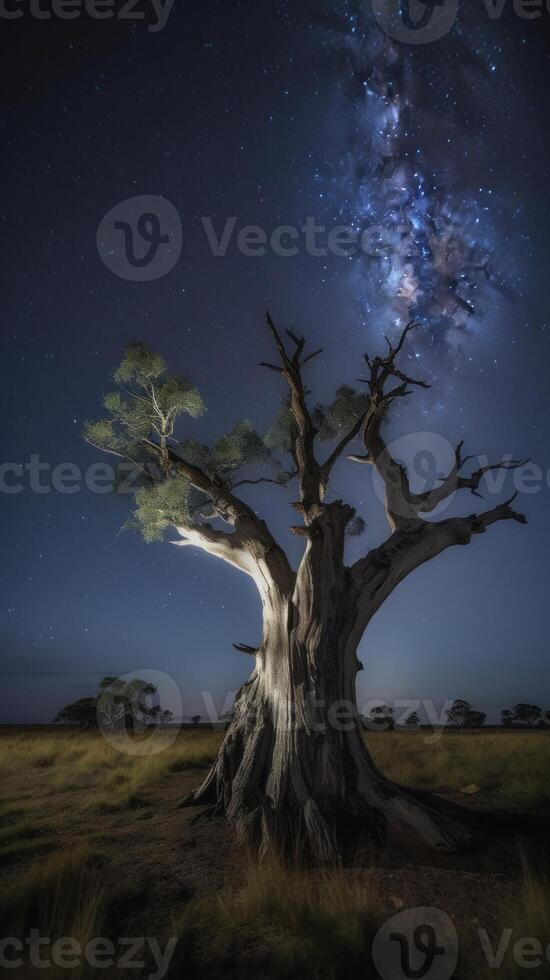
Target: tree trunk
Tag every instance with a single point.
(293, 774)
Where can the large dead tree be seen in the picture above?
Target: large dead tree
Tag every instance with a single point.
(294, 771)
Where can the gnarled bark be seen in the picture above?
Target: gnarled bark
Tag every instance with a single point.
(293, 773)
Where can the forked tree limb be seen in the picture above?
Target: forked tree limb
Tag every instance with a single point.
(375, 576)
(303, 448)
(430, 499)
(313, 475)
(403, 507)
(327, 466)
(393, 474)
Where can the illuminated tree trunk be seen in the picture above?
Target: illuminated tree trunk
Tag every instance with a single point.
(293, 773)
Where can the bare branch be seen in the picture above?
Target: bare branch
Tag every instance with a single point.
(266, 479)
(381, 369)
(300, 530)
(245, 648)
(425, 502)
(408, 380)
(414, 541)
(376, 576)
(300, 343)
(339, 449)
(472, 482)
(311, 356)
(278, 342)
(402, 505)
(502, 512)
(272, 367)
(303, 449)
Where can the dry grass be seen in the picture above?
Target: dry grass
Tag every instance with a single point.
(312, 925)
(525, 916)
(61, 896)
(62, 787)
(102, 772)
(512, 767)
(509, 767)
(326, 920)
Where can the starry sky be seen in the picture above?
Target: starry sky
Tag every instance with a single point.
(272, 113)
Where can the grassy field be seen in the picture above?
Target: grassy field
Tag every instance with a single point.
(93, 843)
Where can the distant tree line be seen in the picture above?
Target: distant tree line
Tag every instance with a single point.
(461, 714)
(129, 705)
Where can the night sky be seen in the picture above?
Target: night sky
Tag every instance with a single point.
(273, 112)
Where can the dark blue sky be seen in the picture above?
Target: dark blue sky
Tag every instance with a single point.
(247, 110)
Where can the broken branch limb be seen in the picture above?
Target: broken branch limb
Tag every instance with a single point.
(245, 648)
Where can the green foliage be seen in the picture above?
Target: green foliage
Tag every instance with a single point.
(176, 394)
(238, 447)
(338, 418)
(140, 365)
(282, 432)
(131, 418)
(164, 504)
(194, 452)
(140, 427)
(104, 435)
(148, 404)
(146, 410)
(331, 421)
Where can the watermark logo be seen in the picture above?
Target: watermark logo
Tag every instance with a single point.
(415, 21)
(417, 944)
(140, 239)
(428, 458)
(132, 714)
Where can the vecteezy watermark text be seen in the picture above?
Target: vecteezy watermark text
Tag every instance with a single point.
(421, 453)
(154, 12)
(140, 239)
(344, 715)
(289, 240)
(99, 953)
